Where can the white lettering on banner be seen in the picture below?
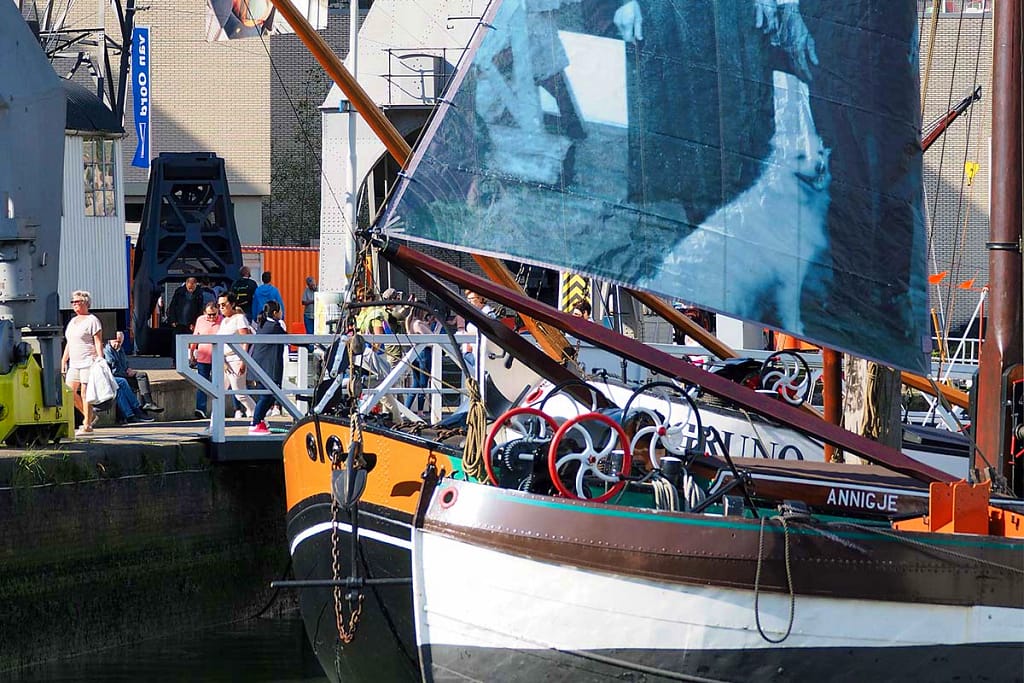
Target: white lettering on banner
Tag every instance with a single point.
(143, 95)
(142, 78)
(868, 500)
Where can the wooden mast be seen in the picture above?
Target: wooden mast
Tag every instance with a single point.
(1001, 352)
(552, 341)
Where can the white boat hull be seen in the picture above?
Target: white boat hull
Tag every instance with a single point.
(515, 617)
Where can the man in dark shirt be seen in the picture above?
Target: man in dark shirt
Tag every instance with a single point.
(244, 288)
(186, 305)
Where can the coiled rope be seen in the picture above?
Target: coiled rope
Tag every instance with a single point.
(693, 494)
(666, 496)
(476, 433)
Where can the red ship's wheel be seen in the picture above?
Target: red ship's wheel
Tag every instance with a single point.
(537, 426)
(592, 461)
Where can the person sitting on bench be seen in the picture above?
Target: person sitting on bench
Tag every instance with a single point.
(138, 381)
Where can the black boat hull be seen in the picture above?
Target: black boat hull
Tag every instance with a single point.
(384, 646)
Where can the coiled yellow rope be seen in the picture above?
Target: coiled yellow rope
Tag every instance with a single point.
(476, 432)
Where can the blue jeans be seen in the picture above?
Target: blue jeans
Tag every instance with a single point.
(308, 322)
(470, 358)
(420, 378)
(205, 370)
(263, 405)
(127, 403)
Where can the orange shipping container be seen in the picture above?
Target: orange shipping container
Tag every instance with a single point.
(289, 267)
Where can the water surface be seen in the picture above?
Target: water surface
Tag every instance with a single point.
(264, 650)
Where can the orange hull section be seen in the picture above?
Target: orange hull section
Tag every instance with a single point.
(394, 482)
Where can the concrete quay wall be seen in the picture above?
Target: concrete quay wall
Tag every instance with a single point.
(103, 544)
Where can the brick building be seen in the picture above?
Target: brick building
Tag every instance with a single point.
(206, 97)
(958, 211)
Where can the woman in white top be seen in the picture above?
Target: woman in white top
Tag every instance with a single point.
(84, 335)
(234, 322)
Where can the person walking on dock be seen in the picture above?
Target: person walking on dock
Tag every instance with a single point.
(270, 359)
(244, 288)
(201, 355)
(235, 322)
(420, 322)
(264, 293)
(84, 337)
(186, 303)
(309, 304)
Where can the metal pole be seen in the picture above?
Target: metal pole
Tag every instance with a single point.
(352, 203)
(101, 57)
(832, 393)
(127, 18)
(1001, 349)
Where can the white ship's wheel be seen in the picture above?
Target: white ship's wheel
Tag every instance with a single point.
(668, 416)
(589, 461)
(788, 375)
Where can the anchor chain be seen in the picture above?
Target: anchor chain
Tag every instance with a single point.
(350, 599)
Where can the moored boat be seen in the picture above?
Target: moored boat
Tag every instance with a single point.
(699, 550)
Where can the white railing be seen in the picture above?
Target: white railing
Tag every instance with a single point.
(962, 351)
(392, 383)
(297, 385)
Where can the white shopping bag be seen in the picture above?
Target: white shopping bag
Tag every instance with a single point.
(102, 387)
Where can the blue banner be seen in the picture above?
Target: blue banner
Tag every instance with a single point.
(140, 94)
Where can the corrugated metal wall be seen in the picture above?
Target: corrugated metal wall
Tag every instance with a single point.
(289, 267)
(92, 254)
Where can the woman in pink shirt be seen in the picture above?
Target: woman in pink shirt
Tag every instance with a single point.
(201, 355)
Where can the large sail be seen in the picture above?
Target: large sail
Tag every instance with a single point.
(759, 158)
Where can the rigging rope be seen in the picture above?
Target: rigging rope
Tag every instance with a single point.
(693, 494)
(956, 262)
(902, 538)
(928, 55)
(947, 300)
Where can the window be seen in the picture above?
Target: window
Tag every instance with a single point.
(98, 164)
(956, 6)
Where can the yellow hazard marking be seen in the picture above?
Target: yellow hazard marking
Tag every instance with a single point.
(574, 288)
(970, 168)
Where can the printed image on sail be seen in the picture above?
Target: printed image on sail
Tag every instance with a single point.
(761, 160)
